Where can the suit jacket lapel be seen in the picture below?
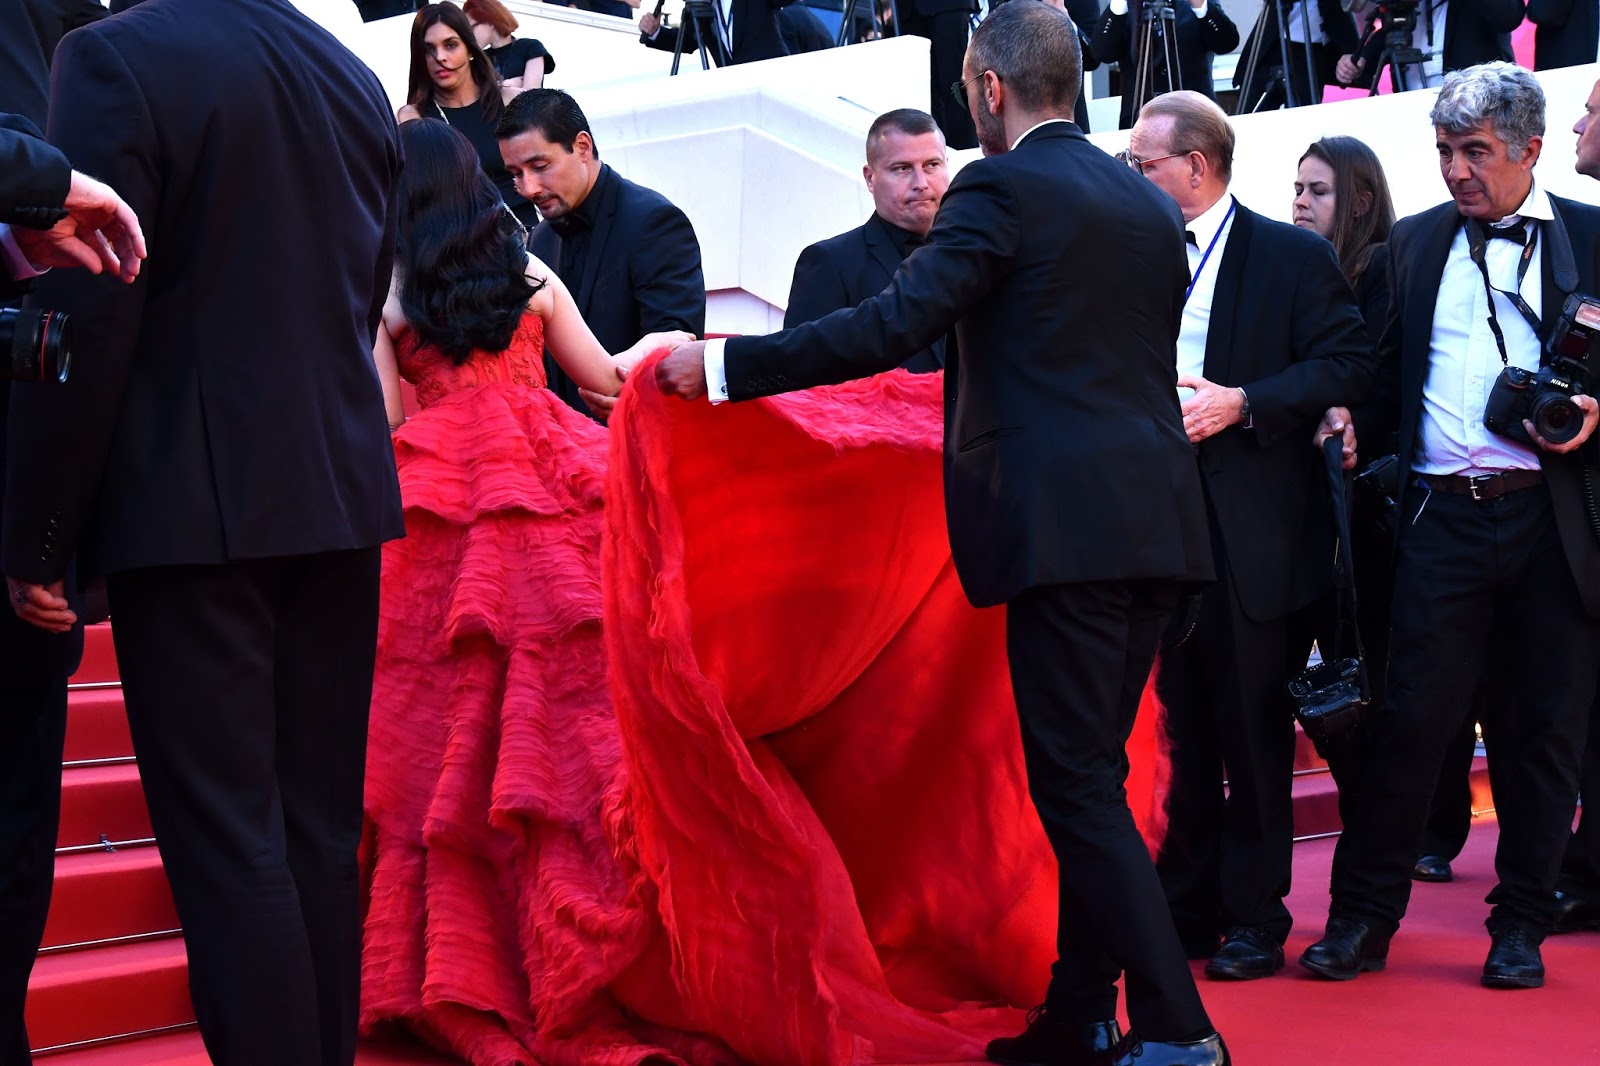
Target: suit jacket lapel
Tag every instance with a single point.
(1225, 299)
(597, 240)
(881, 247)
(1558, 268)
(1421, 297)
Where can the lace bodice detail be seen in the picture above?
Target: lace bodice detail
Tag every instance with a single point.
(434, 376)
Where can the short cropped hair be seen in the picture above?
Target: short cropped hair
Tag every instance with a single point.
(1033, 50)
(494, 13)
(553, 114)
(1198, 125)
(1504, 95)
(906, 120)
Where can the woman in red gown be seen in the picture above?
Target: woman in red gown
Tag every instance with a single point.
(773, 809)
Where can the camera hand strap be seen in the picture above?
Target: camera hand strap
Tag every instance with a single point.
(1477, 240)
(1344, 569)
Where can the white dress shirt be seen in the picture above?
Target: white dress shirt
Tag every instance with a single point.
(1303, 12)
(1463, 360)
(1216, 222)
(17, 264)
(1427, 37)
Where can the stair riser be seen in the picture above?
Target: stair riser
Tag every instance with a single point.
(97, 1007)
(97, 726)
(92, 902)
(99, 656)
(98, 801)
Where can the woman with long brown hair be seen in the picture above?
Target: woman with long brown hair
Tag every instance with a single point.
(1340, 191)
(453, 79)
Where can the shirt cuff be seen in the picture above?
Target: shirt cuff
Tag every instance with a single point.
(716, 371)
(17, 263)
(1119, 7)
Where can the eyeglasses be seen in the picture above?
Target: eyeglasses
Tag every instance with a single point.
(1127, 156)
(958, 89)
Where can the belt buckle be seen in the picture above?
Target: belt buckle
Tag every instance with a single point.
(1479, 482)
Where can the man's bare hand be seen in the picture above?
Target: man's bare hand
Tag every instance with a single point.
(100, 233)
(1591, 417)
(44, 606)
(683, 372)
(1212, 408)
(649, 23)
(601, 405)
(1349, 69)
(1336, 422)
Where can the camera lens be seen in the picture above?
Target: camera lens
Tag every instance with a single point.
(38, 344)
(1556, 418)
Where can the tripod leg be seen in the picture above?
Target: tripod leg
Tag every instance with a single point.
(1169, 41)
(1251, 62)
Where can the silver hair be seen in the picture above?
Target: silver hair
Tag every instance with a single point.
(1504, 95)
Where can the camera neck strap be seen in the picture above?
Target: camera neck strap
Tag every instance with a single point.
(1348, 630)
(1477, 248)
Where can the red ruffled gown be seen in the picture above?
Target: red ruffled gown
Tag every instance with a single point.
(794, 828)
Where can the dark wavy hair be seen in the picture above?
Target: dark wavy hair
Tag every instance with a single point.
(1357, 176)
(419, 88)
(458, 252)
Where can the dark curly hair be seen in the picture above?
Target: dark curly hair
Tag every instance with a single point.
(458, 251)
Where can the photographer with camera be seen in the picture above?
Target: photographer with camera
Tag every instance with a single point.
(1485, 367)
(50, 216)
(1199, 31)
(1447, 34)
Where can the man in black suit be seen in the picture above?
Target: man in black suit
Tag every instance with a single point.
(1200, 31)
(1061, 426)
(752, 28)
(907, 173)
(1332, 33)
(1271, 338)
(946, 25)
(221, 455)
(29, 33)
(1568, 33)
(1492, 534)
(629, 257)
(1473, 32)
(43, 205)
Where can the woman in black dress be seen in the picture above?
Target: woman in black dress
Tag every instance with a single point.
(453, 80)
(522, 61)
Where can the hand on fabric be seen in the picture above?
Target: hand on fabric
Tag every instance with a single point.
(1212, 408)
(648, 345)
(1591, 417)
(100, 233)
(44, 606)
(1337, 421)
(600, 404)
(683, 372)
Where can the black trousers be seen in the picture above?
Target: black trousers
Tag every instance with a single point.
(1226, 860)
(1080, 655)
(1580, 870)
(1450, 812)
(33, 728)
(1483, 598)
(248, 686)
(947, 33)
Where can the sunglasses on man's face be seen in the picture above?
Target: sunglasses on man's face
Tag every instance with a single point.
(959, 89)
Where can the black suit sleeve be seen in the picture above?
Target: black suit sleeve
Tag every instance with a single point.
(817, 289)
(1500, 16)
(1551, 14)
(973, 244)
(59, 435)
(81, 12)
(668, 281)
(1333, 360)
(1110, 37)
(1340, 26)
(34, 177)
(1218, 34)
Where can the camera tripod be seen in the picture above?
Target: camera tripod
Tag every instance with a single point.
(710, 25)
(1156, 30)
(1279, 81)
(1405, 61)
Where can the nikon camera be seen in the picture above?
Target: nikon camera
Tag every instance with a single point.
(1544, 396)
(37, 345)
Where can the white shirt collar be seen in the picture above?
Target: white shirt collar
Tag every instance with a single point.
(1207, 223)
(1536, 206)
(1030, 129)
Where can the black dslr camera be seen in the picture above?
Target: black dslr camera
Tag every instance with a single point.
(37, 345)
(1330, 699)
(1544, 396)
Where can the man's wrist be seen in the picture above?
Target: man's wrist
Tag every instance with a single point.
(17, 263)
(1246, 419)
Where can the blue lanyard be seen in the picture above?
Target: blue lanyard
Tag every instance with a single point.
(1214, 238)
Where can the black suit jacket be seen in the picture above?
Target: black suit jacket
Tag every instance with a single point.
(844, 270)
(29, 33)
(225, 406)
(1285, 328)
(1116, 39)
(1065, 456)
(756, 35)
(641, 273)
(1418, 249)
(1568, 33)
(34, 177)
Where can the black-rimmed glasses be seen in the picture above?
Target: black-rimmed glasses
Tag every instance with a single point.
(1127, 156)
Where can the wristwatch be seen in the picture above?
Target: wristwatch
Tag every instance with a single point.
(1244, 411)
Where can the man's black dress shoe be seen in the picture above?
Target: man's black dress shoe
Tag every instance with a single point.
(1347, 949)
(1514, 960)
(1047, 1042)
(1575, 912)
(1208, 1052)
(1434, 868)
(1247, 952)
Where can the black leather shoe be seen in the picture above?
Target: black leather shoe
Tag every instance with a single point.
(1247, 952)
(1575, 913)
(1434, 868)
(1514, 960)
(1047, 1042)
(1208, 1052)
(1347, 949)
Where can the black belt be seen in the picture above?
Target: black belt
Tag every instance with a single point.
(1483, 486)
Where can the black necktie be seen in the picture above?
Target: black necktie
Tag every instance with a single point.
(1189, 236)
(1517, 231)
